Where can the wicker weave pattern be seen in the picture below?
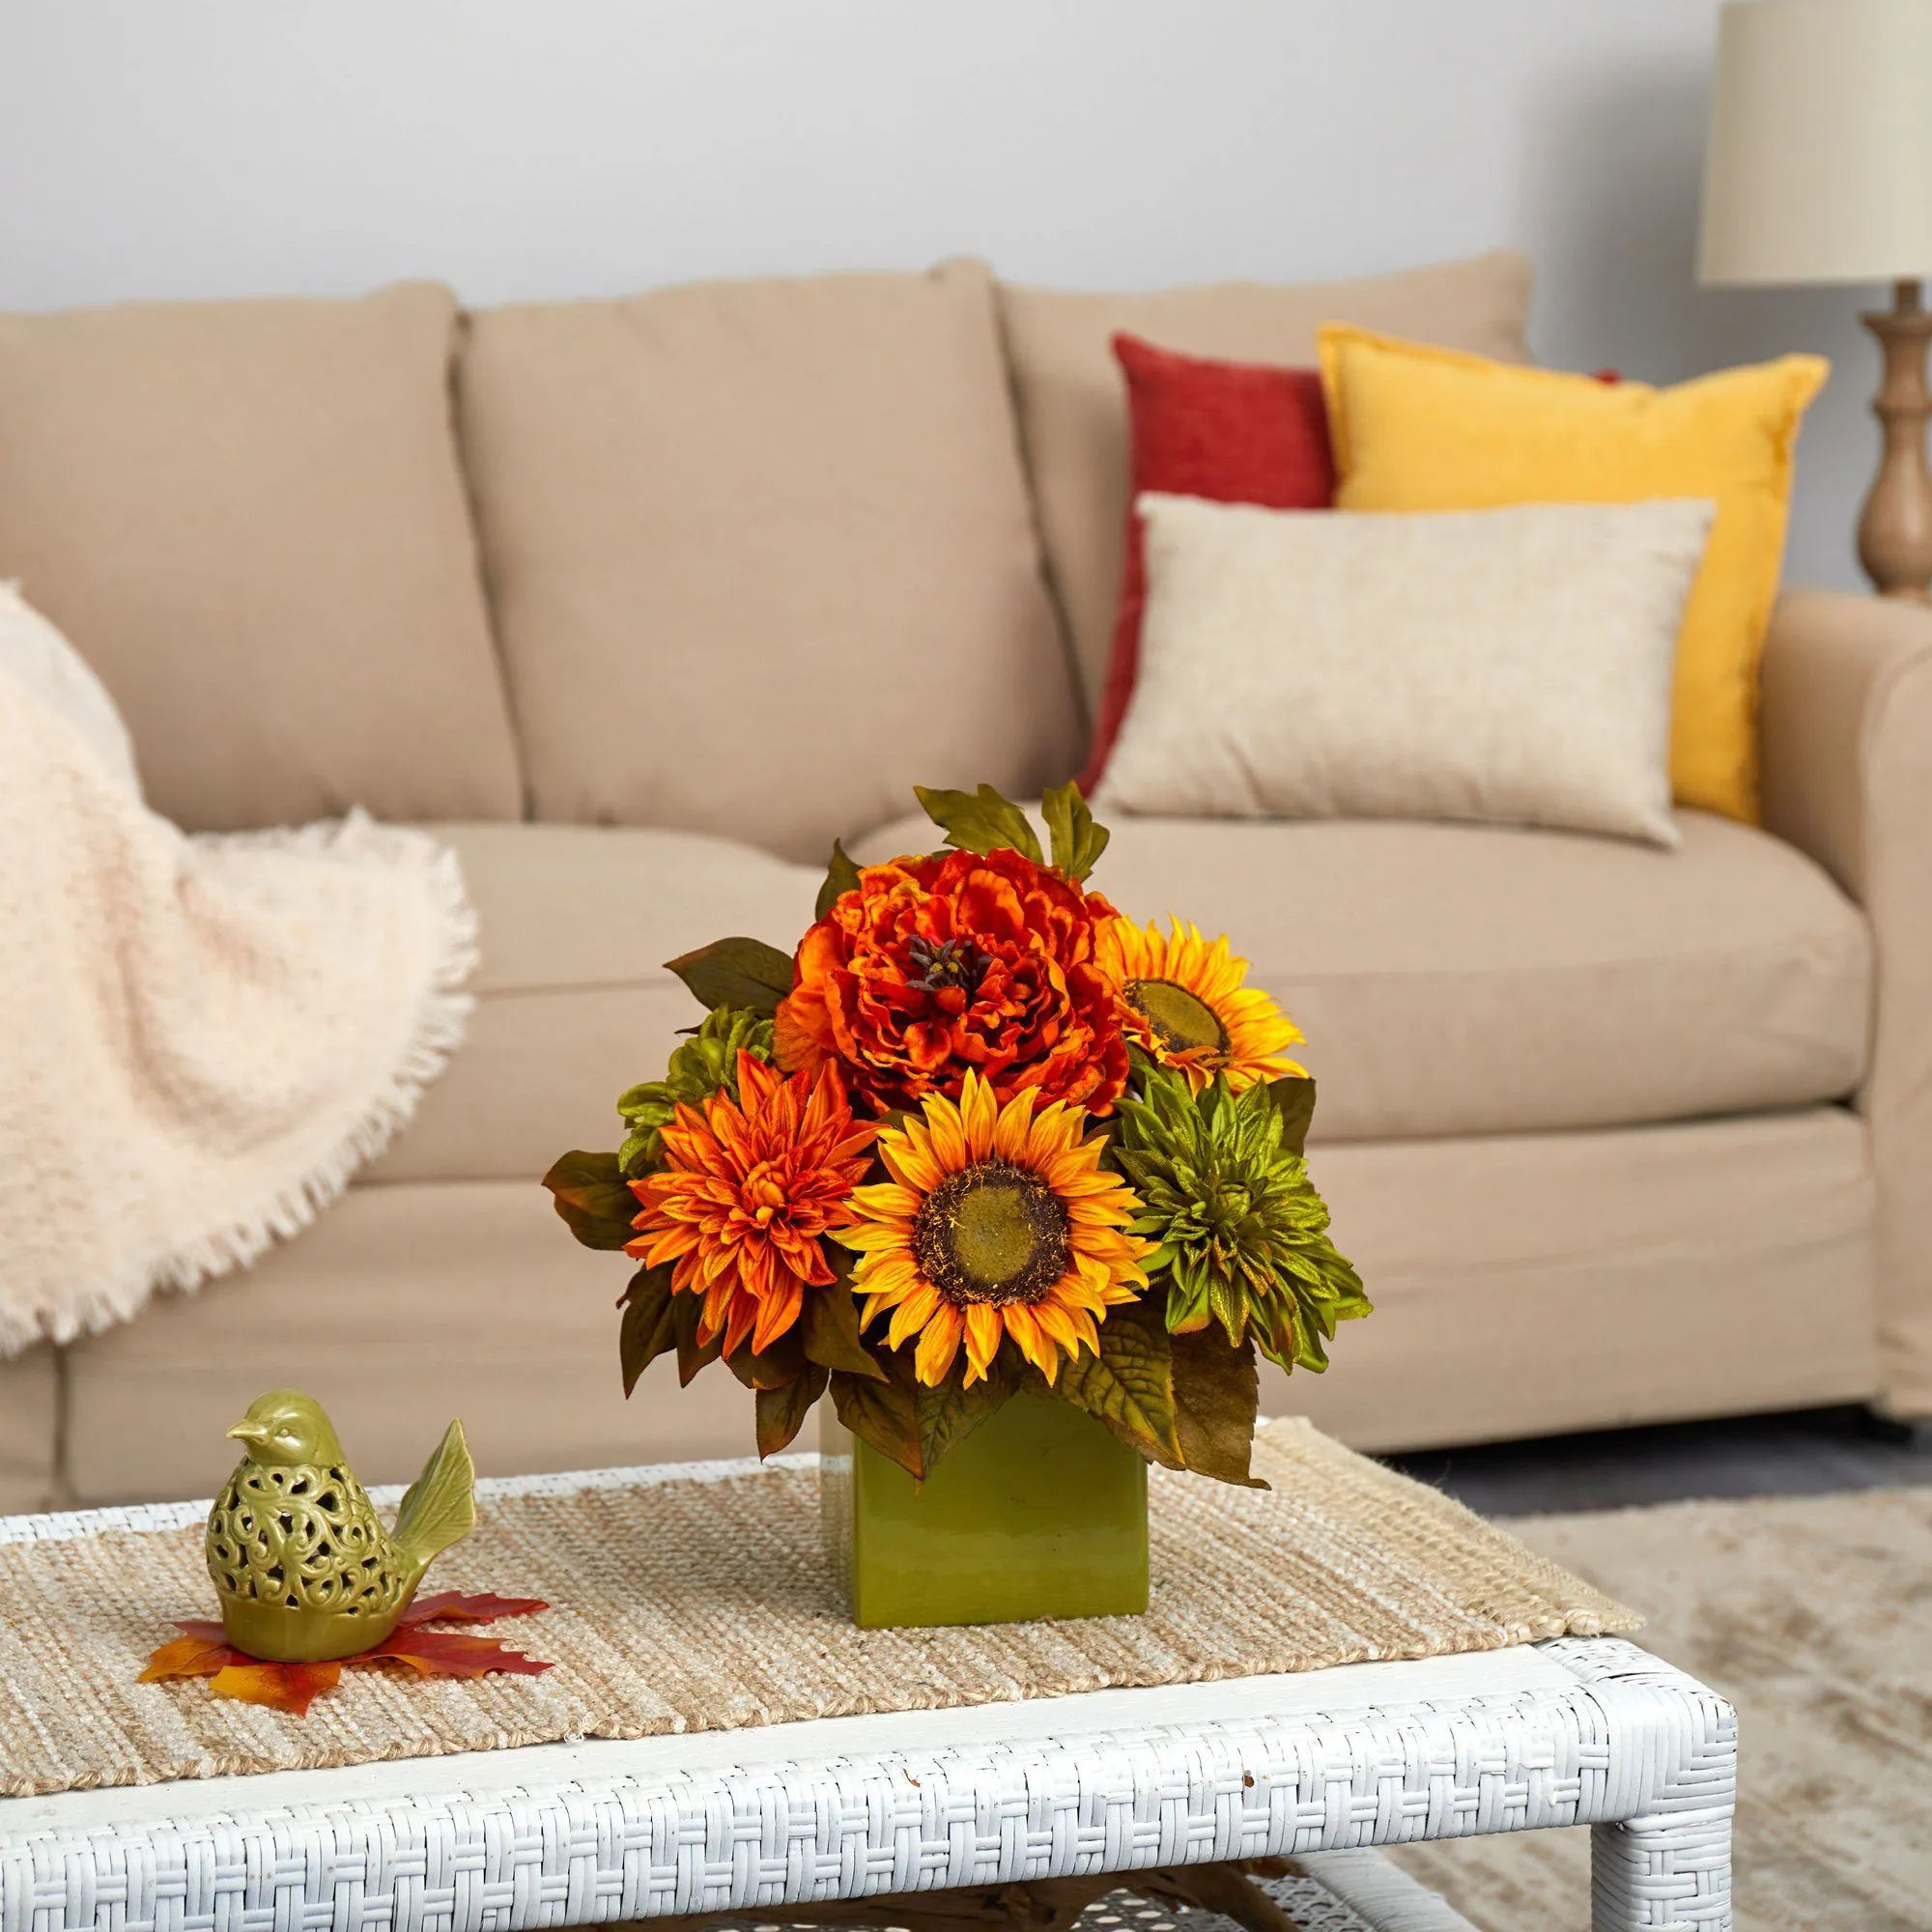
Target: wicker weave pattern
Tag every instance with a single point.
(1634, 1747)
(1342, 1892)
(1670, 1864)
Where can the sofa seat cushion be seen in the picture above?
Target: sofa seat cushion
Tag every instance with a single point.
(1471, 980)
(249, 519)
(29, 1430)
(573, 1003)
(1530, 1283)
(762, 553)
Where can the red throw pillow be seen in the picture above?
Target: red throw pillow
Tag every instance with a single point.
(1231, 432)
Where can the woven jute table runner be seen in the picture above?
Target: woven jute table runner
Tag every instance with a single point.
(704, 1604)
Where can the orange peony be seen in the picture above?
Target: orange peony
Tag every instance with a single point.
(749, 1189)
(933, 965)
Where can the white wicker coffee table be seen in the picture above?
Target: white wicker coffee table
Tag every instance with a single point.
(1564, 1734)
(1317, 1767)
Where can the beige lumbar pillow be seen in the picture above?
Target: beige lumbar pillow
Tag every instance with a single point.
(1510, 665)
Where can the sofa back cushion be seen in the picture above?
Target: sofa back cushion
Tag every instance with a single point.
(1072, 404)
(249, 519)
(761, 553)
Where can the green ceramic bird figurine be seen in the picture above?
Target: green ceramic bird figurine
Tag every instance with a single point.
(303, 1566)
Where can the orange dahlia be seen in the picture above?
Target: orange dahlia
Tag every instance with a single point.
(998, 1221)
(749, 1189)
(934, 967)
(1187, 1006)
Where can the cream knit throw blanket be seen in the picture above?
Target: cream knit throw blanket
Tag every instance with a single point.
(201, 1039)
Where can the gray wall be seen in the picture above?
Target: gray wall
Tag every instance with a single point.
(567, 146)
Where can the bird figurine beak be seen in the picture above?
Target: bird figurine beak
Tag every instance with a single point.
(245, 1432)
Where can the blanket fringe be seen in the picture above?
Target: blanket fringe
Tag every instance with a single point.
(442, 1019)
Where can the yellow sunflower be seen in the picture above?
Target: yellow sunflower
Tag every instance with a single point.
(998, 1221)
(1188, 1009)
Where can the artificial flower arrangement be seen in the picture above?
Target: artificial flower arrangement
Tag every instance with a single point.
(980, 1135)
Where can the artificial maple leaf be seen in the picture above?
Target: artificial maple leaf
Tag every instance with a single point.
(282, 1687)
(452, 1654)
(199, 1654)
(204, 1651)
(453, 1607)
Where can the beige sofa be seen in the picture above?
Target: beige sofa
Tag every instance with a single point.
(640, 602)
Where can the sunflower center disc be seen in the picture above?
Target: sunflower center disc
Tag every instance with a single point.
(992, 1232)
(1180, 1020)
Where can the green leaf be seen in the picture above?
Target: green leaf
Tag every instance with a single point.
(1077, 841)
(742, 973)
(1216, 1394)
(841, 875)
(1130, 1385)
(589, 1191)
(980, 821)
(884, 1413)
(781, 1412)
(949, 1413)
(649, 1326)
(1293, 1342)
(1294, 1098)
(1228, 1302)
(829, 1325)
(692, 1355)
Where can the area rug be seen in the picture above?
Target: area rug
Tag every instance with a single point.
(1813, 1615)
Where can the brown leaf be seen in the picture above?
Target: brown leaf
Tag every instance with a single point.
(290, 1688)
(781, 1412)
(784, 1362)
(884, 1413)
(829, 1325)
(591, 1194)
(1216, 1393)
(649, 1328)
(1130, 1385)
(950, 1412)
(742, 973)
(692, 1355)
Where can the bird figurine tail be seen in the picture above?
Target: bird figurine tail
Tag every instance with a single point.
(439, 1507)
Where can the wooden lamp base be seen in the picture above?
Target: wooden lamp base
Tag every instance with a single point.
(1896, 528)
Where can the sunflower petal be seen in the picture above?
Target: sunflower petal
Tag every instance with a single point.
(938, 1345)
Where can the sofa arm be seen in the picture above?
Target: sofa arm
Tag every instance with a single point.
(1847, 743)
(1847, 760)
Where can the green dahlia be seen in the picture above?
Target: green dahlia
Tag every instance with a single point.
(706, 1063)
(1241, 1233)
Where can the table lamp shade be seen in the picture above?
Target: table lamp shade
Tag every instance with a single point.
(1820, 161)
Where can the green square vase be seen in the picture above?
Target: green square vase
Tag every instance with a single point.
(1041, 1512)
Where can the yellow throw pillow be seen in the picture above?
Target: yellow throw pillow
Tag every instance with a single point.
(1420, 428)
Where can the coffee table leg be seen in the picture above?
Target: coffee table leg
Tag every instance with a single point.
(1670, 1873)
